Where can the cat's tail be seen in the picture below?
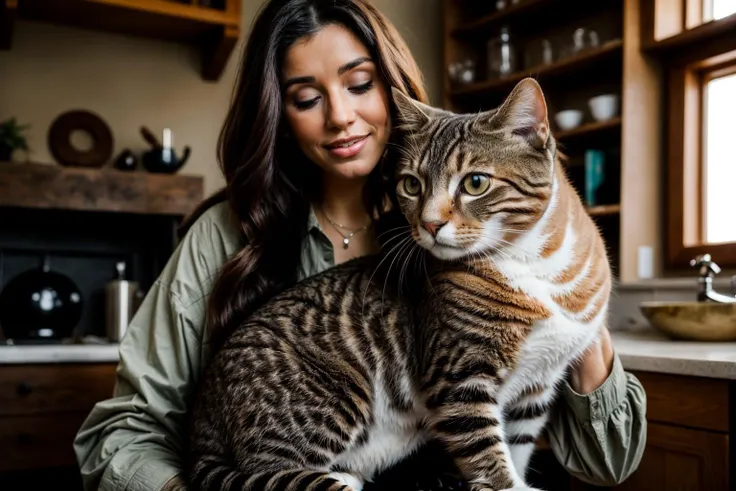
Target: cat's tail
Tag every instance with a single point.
(215, 475)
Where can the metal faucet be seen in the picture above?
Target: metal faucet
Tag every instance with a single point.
(708, 269)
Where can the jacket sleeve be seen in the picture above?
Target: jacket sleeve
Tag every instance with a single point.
(132, 441)
(600, 437)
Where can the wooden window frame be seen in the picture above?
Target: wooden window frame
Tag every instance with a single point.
(685, 161)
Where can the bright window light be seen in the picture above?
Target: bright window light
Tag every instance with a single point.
(720, 159)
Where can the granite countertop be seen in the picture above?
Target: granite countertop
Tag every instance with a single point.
(59, 353)
(640, 349)
(651, 351)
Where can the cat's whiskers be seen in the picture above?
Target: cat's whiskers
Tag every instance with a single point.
(521, 252)
(391, 230)
(388, 272)
(508, 247)
(393, 238)
(426, 273)
(408, 237)
(412, 249)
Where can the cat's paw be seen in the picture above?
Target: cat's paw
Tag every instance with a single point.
(348, 480)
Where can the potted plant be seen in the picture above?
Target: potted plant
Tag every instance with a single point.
(11, 138)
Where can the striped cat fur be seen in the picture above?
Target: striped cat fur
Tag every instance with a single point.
(340, 376)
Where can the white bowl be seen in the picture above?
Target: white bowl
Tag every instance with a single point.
(604, 107)
(569, 119)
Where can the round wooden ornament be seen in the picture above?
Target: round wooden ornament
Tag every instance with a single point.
(61, 147)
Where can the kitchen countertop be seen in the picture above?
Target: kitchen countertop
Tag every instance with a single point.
(640, 349)
(59, 353)
(651, 351)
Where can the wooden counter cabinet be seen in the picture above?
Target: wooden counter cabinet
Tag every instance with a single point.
(42, 407)
(690, 435)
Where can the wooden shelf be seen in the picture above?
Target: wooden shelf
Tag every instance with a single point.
(704, 33)
(604, 210)
(558, 68)
(51, 186)
(8, 10)
(214, 31)
(588, 129)
(495, 18)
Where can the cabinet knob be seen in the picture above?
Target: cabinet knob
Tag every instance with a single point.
(23, 389)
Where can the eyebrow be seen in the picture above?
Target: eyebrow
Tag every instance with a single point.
(343, 68)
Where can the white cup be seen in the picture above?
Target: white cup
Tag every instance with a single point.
(603, 107)
(569, 119)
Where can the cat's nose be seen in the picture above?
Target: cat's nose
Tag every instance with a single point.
(433, 227)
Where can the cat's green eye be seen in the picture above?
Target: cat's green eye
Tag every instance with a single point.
(476, 184)
(412, 186)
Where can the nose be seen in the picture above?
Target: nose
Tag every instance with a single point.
(433, 227)
(340, 112)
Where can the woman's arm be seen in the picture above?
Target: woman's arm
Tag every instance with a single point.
(598, 428)
(133, 441)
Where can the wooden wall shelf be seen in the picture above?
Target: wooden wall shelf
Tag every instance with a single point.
(214, 31)
(559, 68)
(588, 129)
(604, 210)
(495, 18)
(8, 10)
(568, 82)
(31, 185)
(720, 32)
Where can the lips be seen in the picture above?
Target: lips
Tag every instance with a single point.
(347, 147)
(345, 142)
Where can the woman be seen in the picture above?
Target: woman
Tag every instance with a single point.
(300, 151)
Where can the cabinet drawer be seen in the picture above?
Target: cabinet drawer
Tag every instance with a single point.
(36, 389)
(695, 402)
(29, 442)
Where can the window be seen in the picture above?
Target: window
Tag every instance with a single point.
(694, 44)
(719, 156)
(702, 160)
(718, 9)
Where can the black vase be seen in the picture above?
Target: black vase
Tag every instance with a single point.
(126, 161)
(40, 304)
(164, 161)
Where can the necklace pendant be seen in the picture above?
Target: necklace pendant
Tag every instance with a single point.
(345, 243)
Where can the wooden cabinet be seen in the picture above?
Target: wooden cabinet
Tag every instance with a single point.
(690, 436)
(41, 409)
(681, 459)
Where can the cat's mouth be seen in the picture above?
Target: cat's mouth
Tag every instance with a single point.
(441, 245)
(442, 250)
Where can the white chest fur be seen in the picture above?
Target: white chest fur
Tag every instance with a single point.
(392, 436)
(558, 340)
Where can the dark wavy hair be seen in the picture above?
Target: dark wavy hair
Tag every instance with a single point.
(268, 184)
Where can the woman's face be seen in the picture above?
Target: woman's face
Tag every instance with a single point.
(335, 103)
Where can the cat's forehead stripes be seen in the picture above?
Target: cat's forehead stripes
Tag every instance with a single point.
(443, 147)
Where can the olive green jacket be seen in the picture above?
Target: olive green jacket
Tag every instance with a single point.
(132, 441)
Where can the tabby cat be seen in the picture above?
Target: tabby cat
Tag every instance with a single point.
(340, 377)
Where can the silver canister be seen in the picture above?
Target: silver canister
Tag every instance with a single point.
(121, 302)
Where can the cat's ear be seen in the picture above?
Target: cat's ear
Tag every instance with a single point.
(524, 112)
(412, 114)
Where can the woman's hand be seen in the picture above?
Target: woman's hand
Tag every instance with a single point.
(594, 367)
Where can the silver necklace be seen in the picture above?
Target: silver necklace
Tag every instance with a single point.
(345, 238)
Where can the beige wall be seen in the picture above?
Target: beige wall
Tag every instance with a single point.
(131, 82)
